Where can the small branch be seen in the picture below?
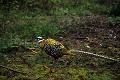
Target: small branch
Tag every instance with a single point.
(23, 58)
(12, 69)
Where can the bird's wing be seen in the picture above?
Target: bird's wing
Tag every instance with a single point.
(51, 46)
(55, 43)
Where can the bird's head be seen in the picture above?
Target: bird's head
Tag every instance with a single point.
(39, 39)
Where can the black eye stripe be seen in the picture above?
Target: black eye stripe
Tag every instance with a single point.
(39, 39)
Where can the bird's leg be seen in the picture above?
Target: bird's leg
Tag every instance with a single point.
(53, 65)
(54, 62)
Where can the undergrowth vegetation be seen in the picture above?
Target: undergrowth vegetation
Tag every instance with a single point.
(81, 23)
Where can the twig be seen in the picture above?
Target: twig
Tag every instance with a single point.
(23, 58)
(12, 69)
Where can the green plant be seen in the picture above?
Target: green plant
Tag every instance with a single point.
(115, 9)
(102, 76)
(113, 21)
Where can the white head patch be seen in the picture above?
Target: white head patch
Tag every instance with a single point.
(40, 39)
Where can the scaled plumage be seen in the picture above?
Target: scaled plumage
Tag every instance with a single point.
(53, 48)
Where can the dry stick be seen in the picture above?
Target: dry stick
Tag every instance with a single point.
(23, 58)
(12, 69)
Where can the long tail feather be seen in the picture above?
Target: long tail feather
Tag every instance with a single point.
(106, 57)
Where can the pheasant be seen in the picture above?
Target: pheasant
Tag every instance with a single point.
(56, 49)
(53, 48)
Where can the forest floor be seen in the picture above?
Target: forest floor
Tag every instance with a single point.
(93, 35)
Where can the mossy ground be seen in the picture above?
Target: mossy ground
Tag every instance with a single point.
(80, 28)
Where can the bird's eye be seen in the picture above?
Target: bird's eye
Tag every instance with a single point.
(38, 39)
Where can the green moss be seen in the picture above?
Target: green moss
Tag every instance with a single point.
(3, 77)
(77, 73)
(101, 76)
